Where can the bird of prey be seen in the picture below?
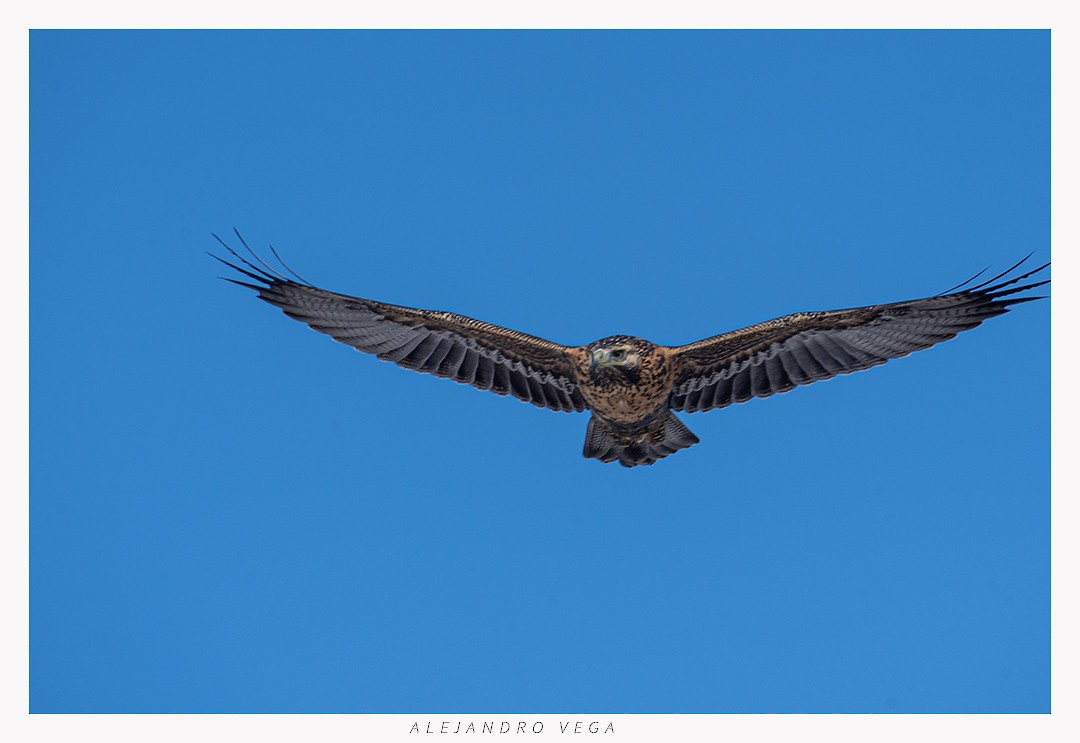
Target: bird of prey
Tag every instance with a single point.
(631, 386)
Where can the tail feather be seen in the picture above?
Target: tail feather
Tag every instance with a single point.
(637, 446)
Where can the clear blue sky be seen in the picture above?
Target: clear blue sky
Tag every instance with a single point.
(232, 513)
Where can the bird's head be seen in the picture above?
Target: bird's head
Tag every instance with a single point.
(618, 357)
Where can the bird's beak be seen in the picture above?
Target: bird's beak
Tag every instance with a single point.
(600, 357)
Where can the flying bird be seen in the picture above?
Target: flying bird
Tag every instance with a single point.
(632, 386)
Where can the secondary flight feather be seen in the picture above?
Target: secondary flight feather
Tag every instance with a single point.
(629, 385)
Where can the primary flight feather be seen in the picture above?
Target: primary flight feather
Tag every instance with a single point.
(630, 385)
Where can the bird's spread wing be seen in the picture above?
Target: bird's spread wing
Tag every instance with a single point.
(441, 343)
(777, 355)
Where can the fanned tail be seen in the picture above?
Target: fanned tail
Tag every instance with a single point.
(637, 446)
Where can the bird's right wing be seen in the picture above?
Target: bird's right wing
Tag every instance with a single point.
(469, 351)
(806, 347)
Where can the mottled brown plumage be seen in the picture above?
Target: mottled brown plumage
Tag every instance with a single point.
(631, 385)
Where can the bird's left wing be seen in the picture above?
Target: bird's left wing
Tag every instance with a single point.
(806, 347)
(469, 351)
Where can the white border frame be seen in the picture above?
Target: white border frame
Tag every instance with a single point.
(14, 651)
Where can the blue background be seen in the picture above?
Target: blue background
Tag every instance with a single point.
(231, 513)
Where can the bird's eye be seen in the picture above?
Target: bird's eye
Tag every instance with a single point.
(620, 353)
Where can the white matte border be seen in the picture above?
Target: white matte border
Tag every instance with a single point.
(14, 656)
